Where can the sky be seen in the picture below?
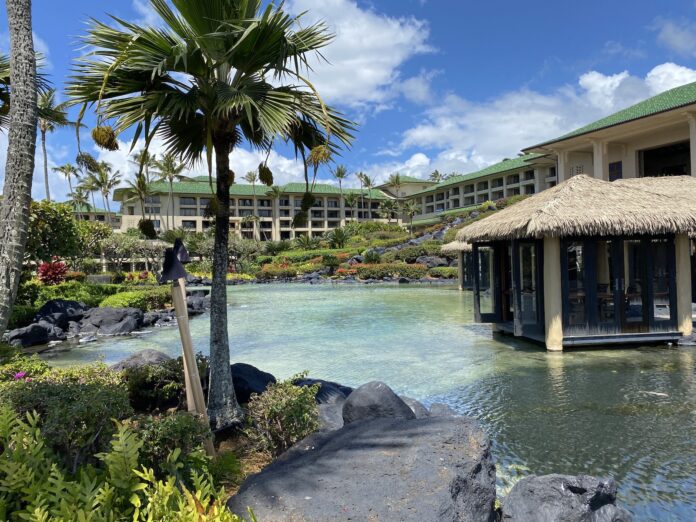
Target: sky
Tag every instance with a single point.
(450, 85)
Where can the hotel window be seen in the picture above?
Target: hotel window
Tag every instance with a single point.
(455, 191)
(131, 211)
(552, 172)
(482, 186)
(284, 212)
(152, 199)
(204, 202)
(188, 225)
(440, 196)
(266, 224)
(264, 213)
(468, 189)
(615, 170)
(233, 212)
(245, 213)
(231, 202)
(187, 201)
(429, 199)
(334, 224)
(528, 175)
(515, 178)
(298, 202)
(332, 203)
(497, 183)
(319, 203)
(246, 203)
(529, 189)
(317, 224)
(152, 210)
(188, 212)
(317, 213)
(156, 223)
(429, 209)
(284, 202)
(333, 213)
(264, 203)
(455, 203)
(203, 211)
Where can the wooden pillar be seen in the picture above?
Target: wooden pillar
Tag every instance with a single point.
(553, 301)
(460, 269)
(683, 262)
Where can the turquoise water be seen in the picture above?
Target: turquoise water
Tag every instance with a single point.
(627, 413)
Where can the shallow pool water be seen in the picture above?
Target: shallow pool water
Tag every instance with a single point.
(627, 413)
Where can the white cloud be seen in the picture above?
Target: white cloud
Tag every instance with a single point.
(147, 15)
(463, 136)
(677, 35)
(365, 58)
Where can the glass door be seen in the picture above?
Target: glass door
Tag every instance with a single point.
(486, 284)
(635, 307)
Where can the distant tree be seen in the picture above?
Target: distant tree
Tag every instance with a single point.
(105, 180)
(69, 171)
(351, 201)
(396, 182)
(340, 173)
(79, 201)
(388, 208)
(52, 115)
(140, 189)
(436, 176)
(410, 208)
(169, 169)
(53, 231)
(369, 184)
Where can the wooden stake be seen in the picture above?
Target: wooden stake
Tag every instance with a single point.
(192, 381)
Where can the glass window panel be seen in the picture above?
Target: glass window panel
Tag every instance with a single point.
(485, 280)
(661, 279)
(634, 287)
(577, 293)
(606, 311)
(528, 284)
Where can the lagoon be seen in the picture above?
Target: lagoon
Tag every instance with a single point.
(626, 413)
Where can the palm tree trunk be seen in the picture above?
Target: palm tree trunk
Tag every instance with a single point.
(170, 206)
(45, 162)
(223, 408)
(14, 218)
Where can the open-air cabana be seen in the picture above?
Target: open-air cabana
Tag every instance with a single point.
(589, 262)
(463, 249)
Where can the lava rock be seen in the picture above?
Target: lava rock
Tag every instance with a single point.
(35, 334)
(404, 280)
(197, 304)
(442, 410)
(248, 379)
(417, 408)
(374, 400)
(432, 261)
(355, 260)
(60, 312)
(382, 469)
(454, 263)
(568, 498)
(142, 358)
(111, 321)
(329, 392)
(331, 415)
(158, 318)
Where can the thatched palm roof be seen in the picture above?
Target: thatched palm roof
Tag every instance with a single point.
(455, 246)
(587, 206)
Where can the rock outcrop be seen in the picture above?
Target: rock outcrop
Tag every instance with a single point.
(142, 358)
(374, 400)
(568, 498)
(111, 321)
(248, 379)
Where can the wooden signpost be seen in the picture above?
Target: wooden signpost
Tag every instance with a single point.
(173, 270)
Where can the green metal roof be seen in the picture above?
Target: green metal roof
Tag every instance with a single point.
(413, 179)
(502, 166)
(666, 101)
(89, 208)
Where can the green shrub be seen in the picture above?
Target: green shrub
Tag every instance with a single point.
(338, 237)
(7, 352)
(163, 434)
(77, 407)
(283, 415)
(34, 487)
(16, 367)
(409, 254)
(371, 257)
(88, 293)
(157, 386)
(28, 292)
(22, 315)
(273, 248)
(367, 227)
(306, 242)
(150, 299)
(384, 270)
(204, 267)
(277, 272)
(444, 272)
(302, 256)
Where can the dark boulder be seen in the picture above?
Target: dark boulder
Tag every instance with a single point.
(356, 260)
(60, 312)
(374, 400)
(383, 469)
(441, 410)
(142, 358)
(432, 261)
(35, 334)
(111, 321)
(158, 318)
(568, 498)
(331, 415)
(249, 379)
(417, 408)
(329, 392)
(197, 304)
(404, 280)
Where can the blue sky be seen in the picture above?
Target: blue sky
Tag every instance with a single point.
(437, 84)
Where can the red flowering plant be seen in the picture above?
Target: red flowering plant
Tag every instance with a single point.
(53, 272)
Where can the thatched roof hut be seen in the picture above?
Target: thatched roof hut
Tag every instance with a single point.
(455, 246)
(585, 206)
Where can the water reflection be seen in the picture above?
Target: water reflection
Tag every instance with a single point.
(626, 413)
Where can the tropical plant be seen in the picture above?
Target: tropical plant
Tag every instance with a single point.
(307, 242)
(52, 115)
(368, 183)
(140, 190)
(436, 177)
(396, 182)
(69, 171)
(79, 200)
(410, 208)
(169, 169)
(144, 160)
(19, 168)
(388, 208)
(338, 237)
(340, 173)
(227, 51)
(361, 178)
(105, 180)
(351, 201)
(52, 231)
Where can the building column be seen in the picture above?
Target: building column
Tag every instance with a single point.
(683, 257)
(692, 141)
(539, 183)
(562, 160)
(553, 301)
(600, 169)
(342, 210)
(460, 269)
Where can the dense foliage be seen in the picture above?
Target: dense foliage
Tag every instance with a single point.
(386, 270)
(150, 299)
(53, 232)
(52, 272)
(444, 272)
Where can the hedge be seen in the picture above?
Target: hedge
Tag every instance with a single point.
(409, 254)
(150, 299)
(444, 272)
(382, 270)
(277, 272)
(302, 256)
(34, 293)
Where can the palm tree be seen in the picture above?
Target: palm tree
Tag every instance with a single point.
(388, 207)
(410, 208)
(68, 170)
(395, 181)
(351, 201)
(106, 181)
(201, 82)
(252, 177)
(369, 184)
(340, 173)
(140, 189)
(169, 169)
(90, 184)
(436, 176)
(361, 179)
(143, 159)
(19, 167)
(79, 201)
(51, 117)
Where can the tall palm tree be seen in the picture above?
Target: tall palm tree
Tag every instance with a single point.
(388, 207)
(340, 173)
(51, 117)
(90, 184)
(369, 184)
(395, 181)
(19, 167)
(79, 201)
(436, 176)
(106, 181)
(351, 200)
(252, 177)
(68, 170)
(201, 82)
(140, 189)
(168, 168)
(144, 160)
(361, 178)
(410, 208)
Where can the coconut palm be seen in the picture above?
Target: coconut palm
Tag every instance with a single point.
(19, 167)
(361, 178)
(436, 176)
(168, 168)
(210, 77)
(51, 117)
(144, 160)
(395, 181)
(410, 208)
(351, 200)
(90, 185)
(369, 183)
(340, 173)
(388, 208)
(140, 189)
(106, 181)
(79, 201)
(41, 85)
(69, 171)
